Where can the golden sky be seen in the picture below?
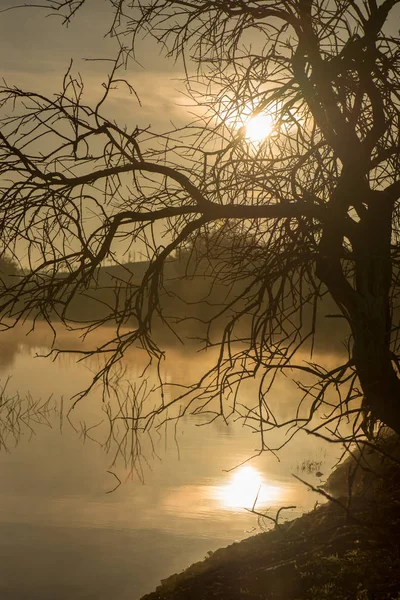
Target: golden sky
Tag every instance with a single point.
(36, 49)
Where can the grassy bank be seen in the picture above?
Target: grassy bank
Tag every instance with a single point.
(348, 548)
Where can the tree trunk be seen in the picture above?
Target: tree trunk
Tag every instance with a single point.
(373, 361)
(371, 322)
(367, 304)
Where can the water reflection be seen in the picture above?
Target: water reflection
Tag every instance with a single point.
(57, 481)
(246, 488)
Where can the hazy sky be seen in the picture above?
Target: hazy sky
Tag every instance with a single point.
(36, 49)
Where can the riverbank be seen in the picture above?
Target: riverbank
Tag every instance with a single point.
(348, 548)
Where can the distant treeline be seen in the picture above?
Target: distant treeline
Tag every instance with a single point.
(192, 295)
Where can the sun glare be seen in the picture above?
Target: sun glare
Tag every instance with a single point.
(245, 486)
(256, 124)
(259, 127)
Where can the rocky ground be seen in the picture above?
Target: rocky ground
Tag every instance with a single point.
(348, 548)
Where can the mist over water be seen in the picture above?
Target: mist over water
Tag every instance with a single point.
(64, 535)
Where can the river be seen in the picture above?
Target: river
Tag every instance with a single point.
(65, 534)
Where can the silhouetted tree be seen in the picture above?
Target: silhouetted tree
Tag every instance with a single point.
(8, 267)
(318, 197)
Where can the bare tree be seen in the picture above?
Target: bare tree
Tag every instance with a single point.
(311, 210)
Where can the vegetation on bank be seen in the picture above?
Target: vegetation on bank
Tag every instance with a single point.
(347, 548)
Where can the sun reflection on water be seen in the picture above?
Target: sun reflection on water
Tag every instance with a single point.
(245, 486)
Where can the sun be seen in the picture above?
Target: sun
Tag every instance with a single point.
(254, 123)
(259, 127)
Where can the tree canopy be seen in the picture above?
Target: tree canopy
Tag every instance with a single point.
(308, 211)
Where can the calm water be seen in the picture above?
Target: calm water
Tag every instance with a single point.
(63, 536)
